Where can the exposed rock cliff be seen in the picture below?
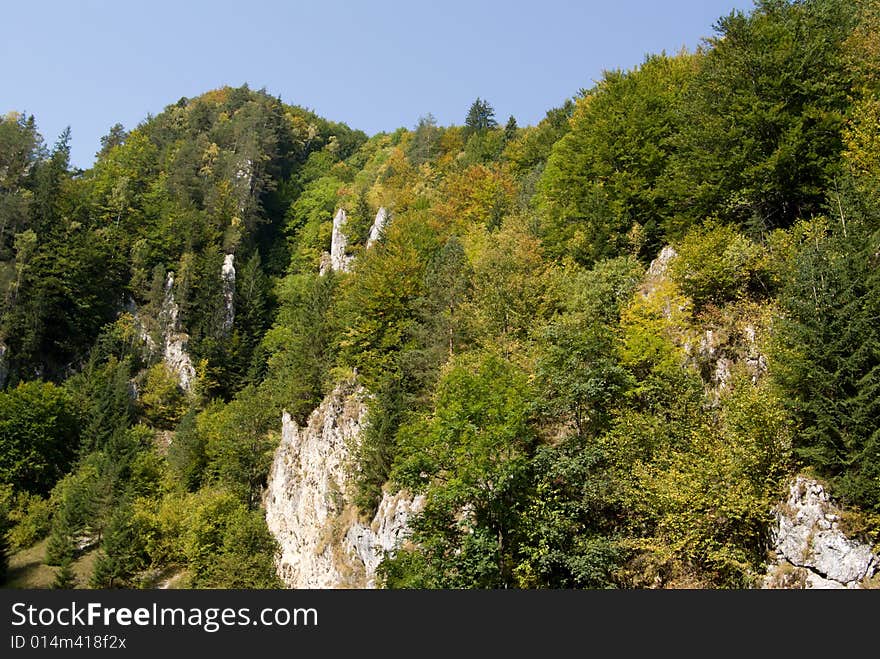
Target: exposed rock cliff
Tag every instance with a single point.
(308, 502)
(811, 549)
(378, 226)
(174, 340)
(227, 275)
(339, 261)
(4, 369)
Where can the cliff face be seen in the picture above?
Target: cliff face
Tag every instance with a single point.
(227, 276)
(308, 504)
(808, 544)
(811, 549)
(337, 259)
(4, 371)
(378, 226)
(174, 340)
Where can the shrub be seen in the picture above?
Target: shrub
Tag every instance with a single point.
(716, 264)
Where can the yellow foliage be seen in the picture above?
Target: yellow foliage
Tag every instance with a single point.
(478, 195)
(654, 328)
(862, 140)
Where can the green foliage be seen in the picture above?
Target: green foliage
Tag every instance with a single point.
(376, 307)
(39, 436)
(376, 450)
(533, 144)
(5, 524)
(568, 538)
(238, 444)
(309, 221)
(298, 346)
(424, 145)
(561, 409)
(161, 397)
(578, 365)
(828, 353)
(105, 394)
(602, 177)
(470, 456)
(711, 499)
(448, 286)
(484, 146)
(480, 117)
(512, 286)
(761, 132)
(30, 516)
(122, 553)
(225, 544)
(187, 459)
(716, 264)
(65, 579)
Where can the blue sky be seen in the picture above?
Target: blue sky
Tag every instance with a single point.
(376, 65)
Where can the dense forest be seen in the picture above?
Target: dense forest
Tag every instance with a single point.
(574, 417)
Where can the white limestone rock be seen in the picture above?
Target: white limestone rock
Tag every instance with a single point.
(660, 266)
(378, 226)
(174, 349)
(339, 262)
(4, 368)
(387, 532)
(227, 275)
(811, 549)
(309, 506)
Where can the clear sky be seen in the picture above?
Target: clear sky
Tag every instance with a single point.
(376, 65)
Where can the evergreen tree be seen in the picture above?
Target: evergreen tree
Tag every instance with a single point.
(5, 525)
(480, 117)
(121, 555)
(62, 540)
(829, 358)
(64, 578)
(424, 141)
(510, 129)
(116, 137)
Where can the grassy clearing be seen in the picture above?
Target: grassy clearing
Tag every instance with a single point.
(27, 568)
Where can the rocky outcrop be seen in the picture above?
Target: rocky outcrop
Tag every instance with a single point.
(811, 550)
(227, 275)
(339, 261)
(378, 226)
(4, 368)
(167, 330)
(659, 267)
(309, 506)
(387, 531)
(716, 345)
(174, 340)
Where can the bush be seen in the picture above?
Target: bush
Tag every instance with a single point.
(31, 519)
(162, 399)
(39, 435)
(715, 264)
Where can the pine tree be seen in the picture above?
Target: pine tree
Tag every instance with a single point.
(62, 544)
(829, 364)
(480, 117)
(119, 559)
(510, 129)
(65, 579)
(4, 543)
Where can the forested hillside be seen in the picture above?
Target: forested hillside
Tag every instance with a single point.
(574, 417)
